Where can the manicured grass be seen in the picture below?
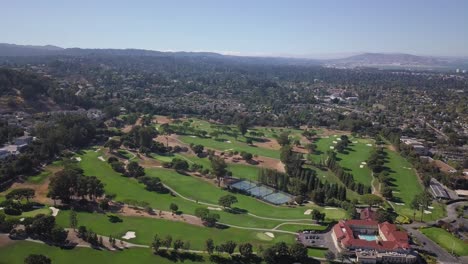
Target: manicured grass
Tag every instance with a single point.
(223, 145)
(297, 227)
(206, 192)
(16, 253)
(357, 153)
(146, 228)
(128, 188)
(39, 178)
(125, 154)
(317, 252)
(446, 240)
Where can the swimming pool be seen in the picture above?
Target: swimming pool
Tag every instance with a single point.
(368, 237)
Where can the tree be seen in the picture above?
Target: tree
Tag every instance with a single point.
(198, 149)
(178, 244)
(112, 144)
(317, 215)
(167, 242)
(37, 259)
(283, 139)
(209, 246)
(329, 255)
(246, 250)
(219, 168)
(135, 170)
(423, 200)
(229, 247)
(243, 125)
(298, 252)
(19, 194)
(371, 199)
(73, 219)
(227, 201)
(246, 156)
(58, 235)
(157, 243)
(174, 208)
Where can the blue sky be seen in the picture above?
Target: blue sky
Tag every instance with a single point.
(286, 28)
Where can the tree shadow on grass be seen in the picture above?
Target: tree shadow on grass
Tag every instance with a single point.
(175, 256)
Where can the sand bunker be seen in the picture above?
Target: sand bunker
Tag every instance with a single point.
(399, 203)
(331, 208)
(78, 158)
(308, 212)
(370, 145)
(55, 211)
(129, 235)
(354, 142)
(215, 208)
(339, 139)
(193, 136)
(21, 219)
(334, 142)
(228, 141)
(363, 163)
(335, 135)
(427, 212)
(97, 150)
(332, 147)
(270, 234)
(430, 207)
(101, 158)
(361, 166)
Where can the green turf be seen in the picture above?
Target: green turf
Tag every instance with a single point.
(39, 178)
(206, 192)
(446, 240)
(17, 252)
(358, 152)
(317, 252)
(125, 154)
(128, 188)
(297, 227)
(146, 228)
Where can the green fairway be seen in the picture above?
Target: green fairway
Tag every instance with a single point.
(357, 153)
(446, 240)
(128, 188)
(18, 251)
(42, 176)
(125, 154)
(146, 228)
(296, 227)
(206, 192)
(223, 144)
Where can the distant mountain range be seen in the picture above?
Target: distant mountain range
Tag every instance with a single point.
(376, 60)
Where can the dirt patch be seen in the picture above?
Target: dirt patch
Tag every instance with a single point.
(260, 161)
(268, 144)
(40, 189)
(162, 120)
(190, 219)
(331, 132)
(5, 240)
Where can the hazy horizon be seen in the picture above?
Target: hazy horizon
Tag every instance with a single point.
(319, 29)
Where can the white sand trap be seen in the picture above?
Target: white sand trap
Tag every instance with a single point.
(101, 158)
(361, 166)
(270, 234)
(55, 211)
(430, 207)
(354, 142)
(21, 219)
(97, 150)
(78, 158)
(308, 212)
(427, 212)
(331, 208)
(363, 163)
(334, 142)
(193, 136)
(395, 192)
(339, 139)
(129, 235)
(215, 208)
(370, 145)
(1, 208)
(228, 141)
(332, 147)
(335, 135)
(399, 203)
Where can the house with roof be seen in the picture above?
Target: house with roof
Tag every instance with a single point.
(373, 242)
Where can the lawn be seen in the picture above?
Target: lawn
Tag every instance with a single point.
(146, 228)
(43, 175)
(16, 253)
(127, 188)
(317, 252)
(207, 192)
(296, 227)
(125, 154)
(222, 144)
(446, 240)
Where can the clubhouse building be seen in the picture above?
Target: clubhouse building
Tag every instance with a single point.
(373, 242)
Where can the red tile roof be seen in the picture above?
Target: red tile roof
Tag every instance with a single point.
(392, 238)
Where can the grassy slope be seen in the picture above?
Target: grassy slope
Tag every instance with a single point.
(146, 228)
(126, 188)
(17, 252)
(446, 240)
